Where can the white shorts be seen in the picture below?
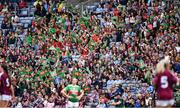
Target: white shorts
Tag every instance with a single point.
(164, 103)
(6, 97)
(72, 104)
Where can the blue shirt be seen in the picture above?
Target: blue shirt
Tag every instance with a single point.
(57, 80)
(150, 89)
(137, 105)
(110, 83)
(99, 10)
(46, 6)
(177, 67)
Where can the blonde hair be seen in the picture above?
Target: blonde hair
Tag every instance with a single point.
(160, 67)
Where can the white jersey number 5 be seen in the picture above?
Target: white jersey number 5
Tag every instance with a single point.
(164, 82)
(7, 82)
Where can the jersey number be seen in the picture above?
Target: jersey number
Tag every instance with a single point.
(7, 82)
(164, 82)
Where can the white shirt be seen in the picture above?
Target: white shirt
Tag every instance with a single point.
(147, 101)
(110, 83)
(75, 57)
(132, 20)
(127, 20)
(50, 105)
(127, 34)
(19, 105)
(154, 24)
(45, 103)
(108, 24)
(118, 82)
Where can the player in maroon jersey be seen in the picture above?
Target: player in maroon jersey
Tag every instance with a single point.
(164, 81)
(6, 89)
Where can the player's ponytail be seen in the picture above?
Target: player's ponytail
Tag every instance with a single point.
(161, 66)
(166, 61)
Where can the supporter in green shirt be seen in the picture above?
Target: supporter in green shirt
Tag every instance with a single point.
(118, 102)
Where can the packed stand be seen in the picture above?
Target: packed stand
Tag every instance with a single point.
(112, 49)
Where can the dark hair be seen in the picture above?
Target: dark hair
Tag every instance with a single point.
(165, 65)
(4, 67)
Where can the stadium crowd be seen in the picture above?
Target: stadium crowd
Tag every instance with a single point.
(112, 51)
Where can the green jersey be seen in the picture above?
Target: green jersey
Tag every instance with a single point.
(73, 91)
(120, 105)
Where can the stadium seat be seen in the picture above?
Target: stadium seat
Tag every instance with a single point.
(1, 18)
(24, 12)
(32, 9)
(25, 21)
(21, 18)
(26, 25)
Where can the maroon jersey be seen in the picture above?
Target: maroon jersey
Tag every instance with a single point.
(164, 85)
(5, 85)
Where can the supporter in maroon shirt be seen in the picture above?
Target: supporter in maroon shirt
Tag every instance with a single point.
(1, 7)
(22, 4)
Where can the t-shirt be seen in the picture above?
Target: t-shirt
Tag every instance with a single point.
(110, 83)
(73, 91)
(29, 39)
(5, 87)
(164, 85)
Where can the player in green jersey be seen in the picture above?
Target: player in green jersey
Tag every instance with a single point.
(74, 93)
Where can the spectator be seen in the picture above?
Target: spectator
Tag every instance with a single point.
(1, 7)
(22, 4)
(118, 102)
